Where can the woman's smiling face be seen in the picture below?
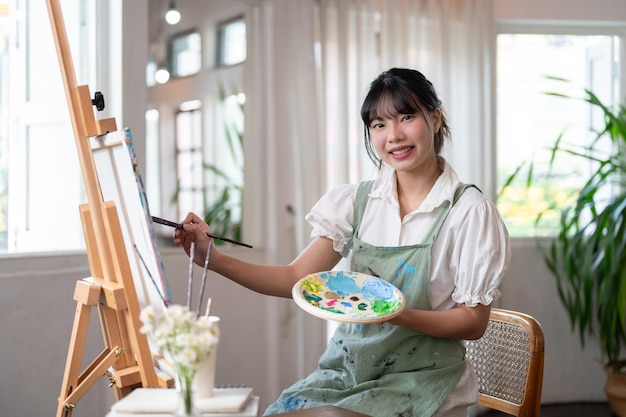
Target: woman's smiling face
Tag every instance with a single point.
(405, 99)
(405, 141)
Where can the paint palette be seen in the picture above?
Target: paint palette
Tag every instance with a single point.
(348, 296)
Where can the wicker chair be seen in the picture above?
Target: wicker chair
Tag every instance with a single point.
(508, 360)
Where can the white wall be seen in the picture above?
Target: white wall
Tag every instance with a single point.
(560, 10)
(36, 306)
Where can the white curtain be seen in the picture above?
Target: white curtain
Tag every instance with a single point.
(451, 41)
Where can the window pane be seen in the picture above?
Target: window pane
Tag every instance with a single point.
(153, 153)
(232, 43)
(185, 54)
(529, 120)
(188, 134)
(190, 170)
(189, 161)
(187, 199)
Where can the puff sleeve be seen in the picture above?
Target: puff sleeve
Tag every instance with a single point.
(332, 215)
(480, 255)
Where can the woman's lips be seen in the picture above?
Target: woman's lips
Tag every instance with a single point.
(401, 152)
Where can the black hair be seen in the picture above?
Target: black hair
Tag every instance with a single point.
(401, 91)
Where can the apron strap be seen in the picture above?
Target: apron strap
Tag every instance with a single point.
(430, 237)
(360, 201)
(461, 189)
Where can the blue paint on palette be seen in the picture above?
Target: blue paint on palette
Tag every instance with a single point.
(341, 284)
(376, 289)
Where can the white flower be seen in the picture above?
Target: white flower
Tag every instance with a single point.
(186, 338)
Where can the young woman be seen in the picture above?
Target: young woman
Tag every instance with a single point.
(440, 241)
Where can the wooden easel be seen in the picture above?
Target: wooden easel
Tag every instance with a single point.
(126, 359)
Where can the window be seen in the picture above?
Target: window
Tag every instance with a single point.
(231, 39)
(189, 160)
(185, 54)
(529, 120)
(41, 186)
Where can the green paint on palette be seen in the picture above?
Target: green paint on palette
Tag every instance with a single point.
(332, 310)
(382, 307)
(311, 298)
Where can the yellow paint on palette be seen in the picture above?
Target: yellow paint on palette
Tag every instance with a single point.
(313, 285)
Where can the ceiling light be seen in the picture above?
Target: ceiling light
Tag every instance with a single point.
(172, 16)
(162, 75)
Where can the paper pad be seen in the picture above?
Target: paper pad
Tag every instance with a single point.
(164, 400)
(224, 400)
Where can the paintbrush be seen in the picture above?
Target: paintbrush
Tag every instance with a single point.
(190, 281)
(179, 226)
(150, 275)
(204, 275)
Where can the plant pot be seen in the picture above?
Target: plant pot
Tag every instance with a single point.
(615, 389)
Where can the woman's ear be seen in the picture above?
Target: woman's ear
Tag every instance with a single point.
(436, 118)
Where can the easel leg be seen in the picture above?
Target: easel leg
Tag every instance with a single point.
(83, 292)
(113, 335)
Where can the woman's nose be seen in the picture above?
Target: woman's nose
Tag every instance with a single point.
(393, 131)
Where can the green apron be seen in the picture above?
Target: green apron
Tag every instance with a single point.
(384, 370)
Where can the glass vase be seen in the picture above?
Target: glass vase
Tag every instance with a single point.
(184, 385)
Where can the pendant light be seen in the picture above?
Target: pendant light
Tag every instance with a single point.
(172, 16)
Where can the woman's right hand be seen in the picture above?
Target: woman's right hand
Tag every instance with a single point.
(193, 229)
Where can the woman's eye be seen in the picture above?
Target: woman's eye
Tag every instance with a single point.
(377, 125)
(407, 117)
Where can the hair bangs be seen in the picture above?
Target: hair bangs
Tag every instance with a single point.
(389, 103)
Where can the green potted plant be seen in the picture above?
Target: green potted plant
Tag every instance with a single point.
(587, 257)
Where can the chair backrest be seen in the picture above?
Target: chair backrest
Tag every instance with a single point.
(508, 361)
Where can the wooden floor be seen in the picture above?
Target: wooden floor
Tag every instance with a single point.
(567, 410)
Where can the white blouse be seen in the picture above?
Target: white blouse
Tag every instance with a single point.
(471, 252)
